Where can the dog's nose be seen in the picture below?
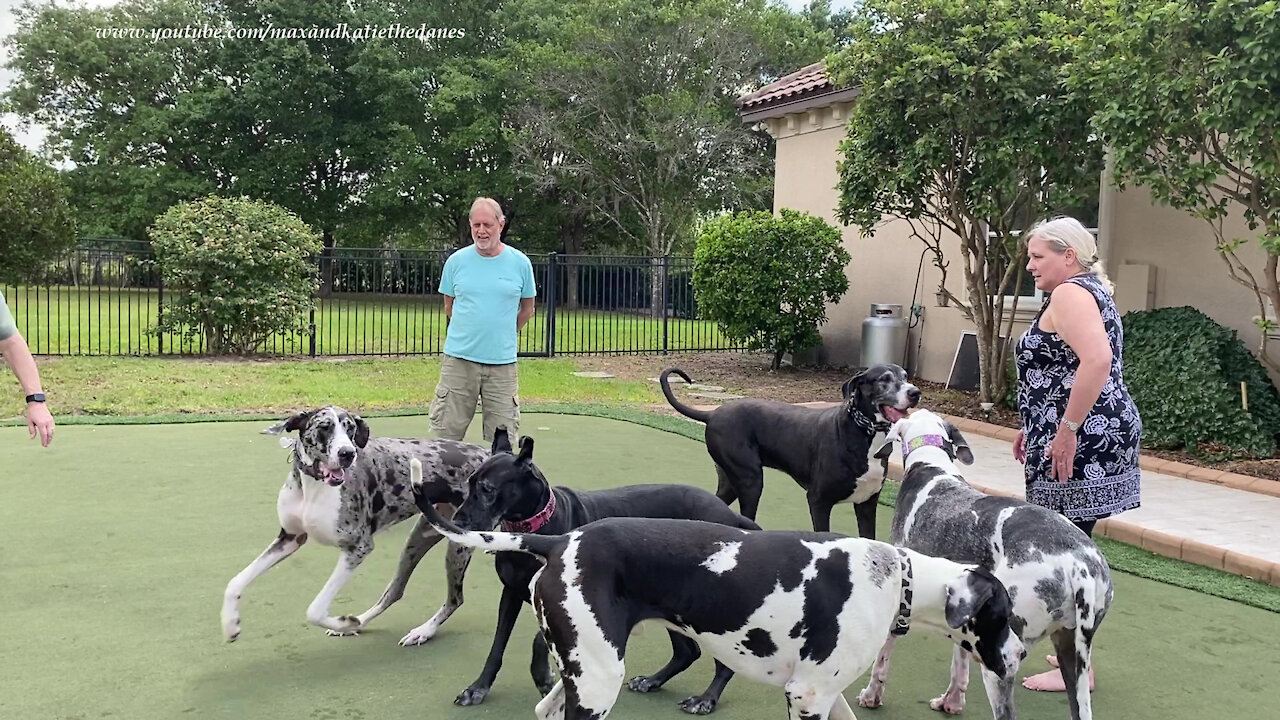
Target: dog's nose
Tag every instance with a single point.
(346, 456)
(913, 395)
(1022, 655)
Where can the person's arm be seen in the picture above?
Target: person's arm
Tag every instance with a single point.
(1078, 322)
(525, 312)
(448, 307)
(18, 355)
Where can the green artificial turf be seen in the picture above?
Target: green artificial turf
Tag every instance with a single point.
(118, 541)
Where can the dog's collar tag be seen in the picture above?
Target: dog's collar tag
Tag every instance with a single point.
(534, 523)
(902, 622)
(920, 441)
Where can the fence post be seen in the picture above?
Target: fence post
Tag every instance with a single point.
(553, 285)
(666, 284)
(160, 317)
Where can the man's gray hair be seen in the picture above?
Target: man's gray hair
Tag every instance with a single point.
(489, 204)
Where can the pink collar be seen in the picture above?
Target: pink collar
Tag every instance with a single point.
(533, 524)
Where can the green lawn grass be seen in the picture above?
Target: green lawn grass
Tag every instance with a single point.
(119, 541)
(64, 320)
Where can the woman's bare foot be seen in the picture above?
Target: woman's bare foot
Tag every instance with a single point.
(1051, 681)
(1052, 660)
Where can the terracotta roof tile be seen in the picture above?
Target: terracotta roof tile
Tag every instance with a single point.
(808, 80)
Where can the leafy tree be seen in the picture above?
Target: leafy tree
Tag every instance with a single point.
(243, 271)
(767, 280)
(1187, 101)
(966, 129)
(36, 225)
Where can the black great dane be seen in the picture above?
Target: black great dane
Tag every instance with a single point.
(825, 451)
(510, 489)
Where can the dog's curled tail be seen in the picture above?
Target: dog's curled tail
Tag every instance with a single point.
(699, 415)
(540, 545)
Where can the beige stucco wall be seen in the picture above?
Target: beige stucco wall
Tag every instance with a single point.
(1187, 269)
(883, 267)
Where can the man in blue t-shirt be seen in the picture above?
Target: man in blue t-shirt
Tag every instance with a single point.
(488, 297)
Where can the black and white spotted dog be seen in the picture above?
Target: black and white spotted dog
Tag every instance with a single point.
(803, 611)
(344, 487)
(1058, 579)
(825, 451)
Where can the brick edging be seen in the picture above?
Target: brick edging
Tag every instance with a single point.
(1237, 481)
(1160, 543)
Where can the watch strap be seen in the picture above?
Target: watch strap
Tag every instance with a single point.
(35, 397)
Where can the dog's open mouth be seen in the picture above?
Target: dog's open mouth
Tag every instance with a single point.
(892, 414)
(333, 476)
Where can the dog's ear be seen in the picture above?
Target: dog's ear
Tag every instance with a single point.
(846, 390)
(963, 453)
(526, 449)
(297, 422)
(362, 432)
(967, 595)
(501, 441)
(894, 435)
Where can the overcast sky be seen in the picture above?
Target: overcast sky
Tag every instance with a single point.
(32, 137)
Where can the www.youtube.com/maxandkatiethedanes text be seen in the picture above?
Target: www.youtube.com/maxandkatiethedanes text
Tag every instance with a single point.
(342, 31)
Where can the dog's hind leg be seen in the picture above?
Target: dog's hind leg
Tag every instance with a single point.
(540, 665)
(724, 487)
(1074, 662)
(746, 481)
(706, 702)
(951, 702)
(456, 559)
(872, 696)
(284, 545)
(683, 653)
(421, 539)
(318, 612)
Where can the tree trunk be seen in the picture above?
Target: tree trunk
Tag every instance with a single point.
(573, 241)
(657, 284)
(326, 263)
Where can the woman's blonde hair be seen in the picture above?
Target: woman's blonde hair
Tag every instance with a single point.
(1065, 232)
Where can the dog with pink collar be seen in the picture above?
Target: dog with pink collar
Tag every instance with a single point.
(509, 489)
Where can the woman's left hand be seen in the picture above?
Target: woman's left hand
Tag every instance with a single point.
(1062, 451)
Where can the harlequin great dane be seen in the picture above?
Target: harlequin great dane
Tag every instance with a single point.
(343, 487)
(803, 611)
(509, 488)
(1059, 582)
(825, 451)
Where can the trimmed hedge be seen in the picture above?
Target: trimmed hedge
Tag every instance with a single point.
(1184, 371)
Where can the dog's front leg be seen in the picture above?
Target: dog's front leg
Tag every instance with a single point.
(421, 539)
(284, 545)
(872, 696)
(508, 612)
(1000, 693)
(456, 559)
(318, 612)
(951, 702)
(706, 702)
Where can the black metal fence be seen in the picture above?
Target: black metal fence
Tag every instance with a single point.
(106, 298)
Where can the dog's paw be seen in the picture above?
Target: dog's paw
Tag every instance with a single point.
(473, 695)
(698, 705)
(869, 698)
(419, 635)
(344, 626)
(643, 683)
(949, 703)
(230, 624)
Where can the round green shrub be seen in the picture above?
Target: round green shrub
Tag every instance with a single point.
(767, 280)
(236, 271)
(1184, 371)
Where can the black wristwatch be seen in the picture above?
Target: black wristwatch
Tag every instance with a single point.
(35, 397)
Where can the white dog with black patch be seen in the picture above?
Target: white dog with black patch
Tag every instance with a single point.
(803, 611)
(1058, 580)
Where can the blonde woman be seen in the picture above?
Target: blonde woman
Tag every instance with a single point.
(1080, 427)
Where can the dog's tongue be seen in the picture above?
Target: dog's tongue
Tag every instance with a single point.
(892, 414)
(334, 477)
